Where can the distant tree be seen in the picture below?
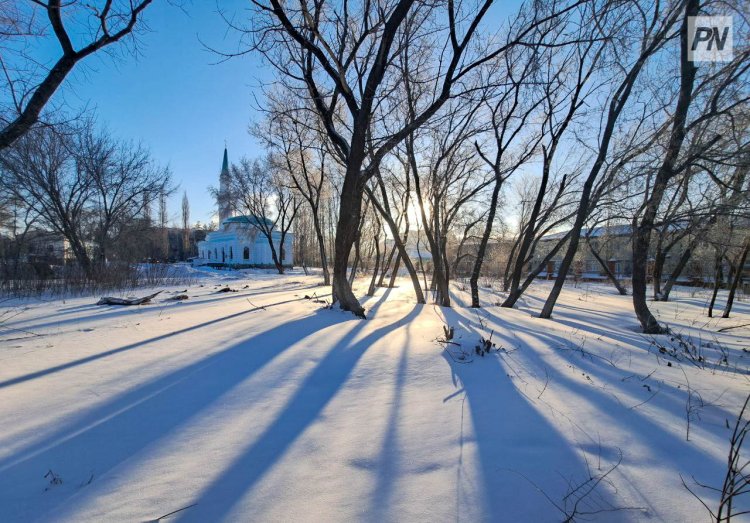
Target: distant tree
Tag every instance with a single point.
(185, 225)
(80, 30)
(123, 178)
(85, 185)
(268, 201)
(41, 170)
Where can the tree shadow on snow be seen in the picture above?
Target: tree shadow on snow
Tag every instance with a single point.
(218, 500)
(522, 458)
(115, 431)
(135, 345)
(644, 431)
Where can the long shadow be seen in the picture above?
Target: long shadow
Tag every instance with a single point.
(113, 432)
(516, 445)
(115, 310)
(664, 443)
(135, 345)
(640, 341)
(314, 393)
(390, 455)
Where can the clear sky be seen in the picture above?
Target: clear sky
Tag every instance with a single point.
(175, 98)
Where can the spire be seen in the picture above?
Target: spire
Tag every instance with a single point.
(224, 199)
(225, 163)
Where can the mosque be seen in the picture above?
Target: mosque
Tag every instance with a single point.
(239, 242)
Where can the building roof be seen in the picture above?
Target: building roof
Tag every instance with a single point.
(246, 218)
(610, 230)
(596, 232)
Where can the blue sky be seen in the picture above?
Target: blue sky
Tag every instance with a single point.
(175, 98)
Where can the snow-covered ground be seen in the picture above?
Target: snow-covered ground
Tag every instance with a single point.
(262, 405)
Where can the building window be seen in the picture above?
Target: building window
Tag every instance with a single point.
(246, 253)
(231, 253)
(223, 256)
(209, 255)
(216, 254)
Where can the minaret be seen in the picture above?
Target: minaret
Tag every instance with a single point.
(225, 198)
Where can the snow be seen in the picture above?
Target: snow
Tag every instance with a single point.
(263, 405)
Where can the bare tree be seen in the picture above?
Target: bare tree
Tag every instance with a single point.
(719, 89)
(269, 203)
(41, 170)
(97, 26)
(290, 132)
(449, 179)
(565, 85)
(123, 178)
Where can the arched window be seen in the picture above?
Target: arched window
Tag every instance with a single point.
(246, 253)
(223, 256)
(231, 253)
(209, 255)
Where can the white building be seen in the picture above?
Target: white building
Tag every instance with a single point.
(239, 241)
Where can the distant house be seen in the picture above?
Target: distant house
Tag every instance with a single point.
(239, 241)
(614, 245)
(47, 247)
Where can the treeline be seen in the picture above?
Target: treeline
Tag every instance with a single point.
(76, 202)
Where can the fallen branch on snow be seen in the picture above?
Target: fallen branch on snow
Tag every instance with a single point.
(109, 300)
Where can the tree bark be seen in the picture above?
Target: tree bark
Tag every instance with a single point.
(718, 277)
(347, 226)
(322, 248)
(612, 278)
(642, 233)
(375, 270)
(737, 278)
(681, 264)
(474, 280)
(659, 260)
(386, 265)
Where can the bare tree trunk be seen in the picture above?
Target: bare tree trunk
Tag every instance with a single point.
(737, 277)
(394, 272)
(718, 277)
(371, 289)
(386, 265)
(474, 280)
(681, 264)
(642, 233)
(507, 272)
(610, 275)
(322, 248)
(514, 295)
(659, 260)
(346, 233)
(355, 264)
